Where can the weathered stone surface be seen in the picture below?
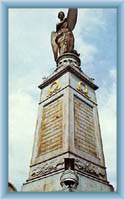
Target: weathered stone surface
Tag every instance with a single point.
(84, 127)
(48, 184)
(90, 168)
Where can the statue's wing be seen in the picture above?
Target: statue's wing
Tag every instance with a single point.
(54, 45)
(72, 18)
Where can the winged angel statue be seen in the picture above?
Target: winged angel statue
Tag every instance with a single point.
(62, 40)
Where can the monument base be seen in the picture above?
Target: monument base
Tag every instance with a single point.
(68, 153)
(52, 184)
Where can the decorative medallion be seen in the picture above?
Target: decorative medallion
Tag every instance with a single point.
(55, 86)
(83, 88)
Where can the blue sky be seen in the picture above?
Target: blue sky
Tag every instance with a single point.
(31, 58)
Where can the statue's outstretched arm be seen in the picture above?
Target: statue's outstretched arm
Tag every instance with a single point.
(54, 45)
(72, 18)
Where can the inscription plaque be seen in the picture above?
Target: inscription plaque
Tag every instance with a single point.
(84, 127)
(51, 130)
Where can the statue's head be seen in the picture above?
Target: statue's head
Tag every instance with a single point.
(61, 15)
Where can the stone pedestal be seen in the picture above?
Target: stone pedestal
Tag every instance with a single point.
(68, 59)
(67, 152)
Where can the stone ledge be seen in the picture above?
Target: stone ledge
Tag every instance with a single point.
(62, 71)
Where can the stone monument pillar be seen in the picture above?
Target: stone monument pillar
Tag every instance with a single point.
(67, 152)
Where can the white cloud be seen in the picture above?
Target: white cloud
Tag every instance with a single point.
(22, 118)
(87, 52)
(113, 74)
(91, 20)
(107, 113)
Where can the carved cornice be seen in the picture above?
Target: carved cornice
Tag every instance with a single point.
(71, 69)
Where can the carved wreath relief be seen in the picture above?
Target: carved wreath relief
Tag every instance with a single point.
(83, 88)
(55, 87)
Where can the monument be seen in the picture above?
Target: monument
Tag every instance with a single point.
(67, 152)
